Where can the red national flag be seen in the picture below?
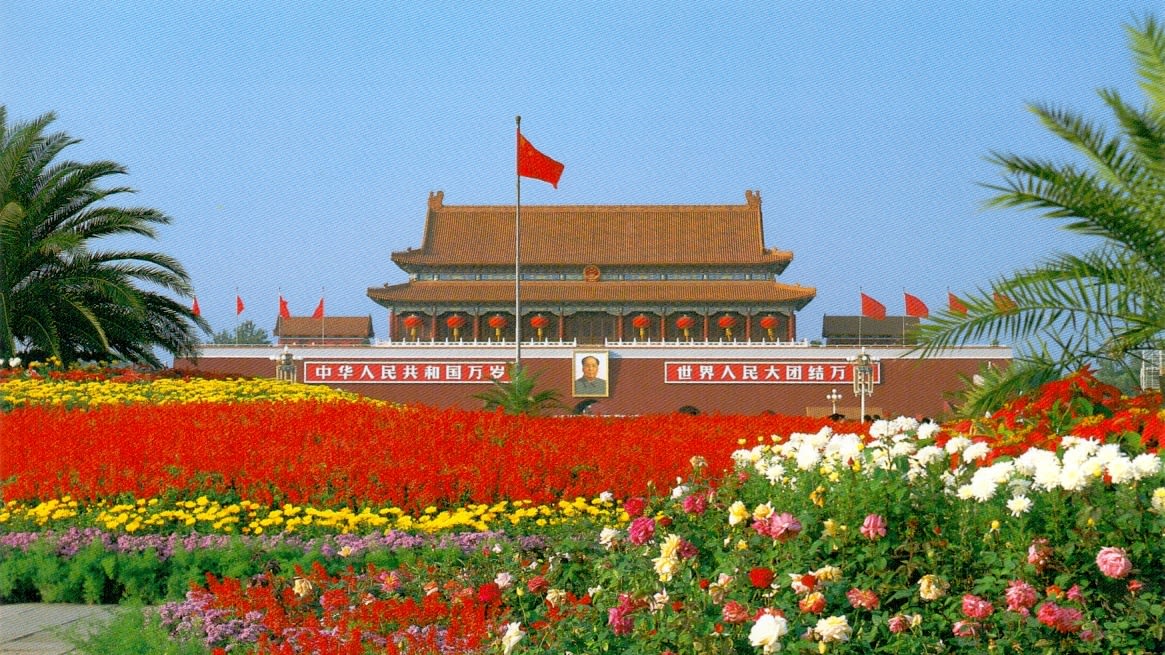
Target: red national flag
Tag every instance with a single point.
(319, 313)
(195, 309)
(532, 163)
(1003, 303)
(915, 307)
(872, 308)
(239, 305)
(284, 312)
(955, 305)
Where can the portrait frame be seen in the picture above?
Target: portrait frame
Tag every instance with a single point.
(579, 387)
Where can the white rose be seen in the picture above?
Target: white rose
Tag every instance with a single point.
(767, 632)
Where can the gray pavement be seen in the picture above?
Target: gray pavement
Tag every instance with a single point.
(39, 628)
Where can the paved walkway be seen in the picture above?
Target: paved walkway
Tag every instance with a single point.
(38, 628)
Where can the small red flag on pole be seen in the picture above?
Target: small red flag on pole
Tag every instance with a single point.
(955, 305)
(872, 308)
(195, 309)
(532, 163)
(915, 307)
(284, 312)
(319, 312)
(239, 305)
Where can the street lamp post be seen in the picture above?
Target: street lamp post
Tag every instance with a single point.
(833, 396)
(863, 378)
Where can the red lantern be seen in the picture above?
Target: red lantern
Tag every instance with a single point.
(455, 322)
(727, 322)
(412, 322)
(685, 323)
(497, 322)
(768, 323)
(641, 322)
(539, 322)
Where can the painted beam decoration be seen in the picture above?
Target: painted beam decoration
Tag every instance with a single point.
(763, 372)
(381, 372)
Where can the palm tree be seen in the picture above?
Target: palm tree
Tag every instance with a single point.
(1108, 303)
(518, 396)
(60, 297)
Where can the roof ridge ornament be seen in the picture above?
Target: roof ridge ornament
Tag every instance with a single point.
(752, 198)
(436, 200)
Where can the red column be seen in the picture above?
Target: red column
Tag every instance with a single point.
(663, 325)
(706, 318)
(792, 326)
(748, 327)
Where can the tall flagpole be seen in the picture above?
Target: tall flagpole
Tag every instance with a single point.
(517, 252)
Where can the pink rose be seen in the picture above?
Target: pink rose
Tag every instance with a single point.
(1021, 597)
(641, 530)
(1113, 562)
(734, 612)
(1039, 553)
(1061, 619)
(976, 608)
(899, 624)
(783, 526)
(965, 628)
(862, 599)
(874, 527)
(695, 504)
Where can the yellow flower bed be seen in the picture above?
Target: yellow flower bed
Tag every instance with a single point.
(20, 392)
(205, 515)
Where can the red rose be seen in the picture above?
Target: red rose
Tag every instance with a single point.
(761, 577)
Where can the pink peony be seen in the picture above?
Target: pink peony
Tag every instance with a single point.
(1113, 562)
(641, 530)
(1021, 597)
(976, 608)
(874, 527)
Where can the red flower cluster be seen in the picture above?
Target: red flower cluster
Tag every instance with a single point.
(339, 453)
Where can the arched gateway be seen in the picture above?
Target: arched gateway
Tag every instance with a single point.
(625, 309)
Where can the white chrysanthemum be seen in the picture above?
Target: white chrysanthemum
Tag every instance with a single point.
(903, 446)
(1146, 465)
(1108, 452)
(1046, 475)
(844, 447)
(807, 457)
(679, 491)
(928, 455)
(926, 431)
(957, 445)
(965, 492)
(1120, 470)
(976, 451)
(1034, 458)
(741, 457)
(1072, 478)
(881, 429)
(1091, 468)
(983, 488)
(774, 473)
(1079, 453)
(1019, 505)
(879, 458)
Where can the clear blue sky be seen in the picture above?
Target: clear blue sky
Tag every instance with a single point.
(295, 144)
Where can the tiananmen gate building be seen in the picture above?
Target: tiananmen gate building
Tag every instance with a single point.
(630, 309)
